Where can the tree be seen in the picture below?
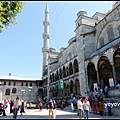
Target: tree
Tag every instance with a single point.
(8, 13)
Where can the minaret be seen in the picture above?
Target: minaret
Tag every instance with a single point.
(46, 37)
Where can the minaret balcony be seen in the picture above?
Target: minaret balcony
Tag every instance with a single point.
(46, 23)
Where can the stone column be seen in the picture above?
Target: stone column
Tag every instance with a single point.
(86, 76)
(114, 74)
(98, 78)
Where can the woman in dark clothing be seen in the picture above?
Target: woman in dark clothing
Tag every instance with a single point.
(11, 106)
(22, 108)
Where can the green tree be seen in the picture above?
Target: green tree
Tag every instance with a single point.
(8, 13)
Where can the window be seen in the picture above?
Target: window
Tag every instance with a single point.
(14, 90)
(14, 83)
(4, 83)
(101, 41)
(9, 83)
(7, 92)
(110, 33)
(31, 84)
(21, 83)
(26, 83)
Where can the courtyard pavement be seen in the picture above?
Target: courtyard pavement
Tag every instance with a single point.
(60, 114)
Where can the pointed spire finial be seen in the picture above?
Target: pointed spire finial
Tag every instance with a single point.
(47, 9)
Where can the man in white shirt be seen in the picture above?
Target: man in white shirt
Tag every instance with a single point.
(86, 107)
(80, 107)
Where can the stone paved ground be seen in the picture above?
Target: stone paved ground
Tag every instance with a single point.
(61, 114)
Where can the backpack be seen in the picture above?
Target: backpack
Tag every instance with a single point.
(50, 105)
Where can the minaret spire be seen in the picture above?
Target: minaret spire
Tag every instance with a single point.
(46, 37)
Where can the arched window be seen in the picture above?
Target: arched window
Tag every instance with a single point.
(7, 92)
(31, 84)
(21, 83)
(14, 83)
(14, 90)
(101, 42)
(110, 33)
(76, 68)
(26, 83)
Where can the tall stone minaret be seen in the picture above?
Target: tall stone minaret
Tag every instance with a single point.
(46, 37)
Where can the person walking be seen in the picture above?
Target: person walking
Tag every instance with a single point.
(50, 108)
(54, 108)
(100, 106)
(86, 107)
(15, 108)
(2, 111)
(40, 106)
(80, 107)
(22, 108)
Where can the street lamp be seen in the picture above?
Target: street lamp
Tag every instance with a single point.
(23, 91)
(30, 89)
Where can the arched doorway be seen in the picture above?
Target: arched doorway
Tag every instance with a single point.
(92, 75)
(105, 71)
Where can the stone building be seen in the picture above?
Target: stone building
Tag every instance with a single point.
(92, 55)
(24, 88)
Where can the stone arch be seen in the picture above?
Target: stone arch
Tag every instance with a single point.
(7, 92)
(77, 87)
(76, 66)
(53, 77)
(60, 73)
(71, 87)
(64, 72)
(116, 59)
(14, 90)
(57, 75)
(105, 71)
(92, 75)
(70, 69)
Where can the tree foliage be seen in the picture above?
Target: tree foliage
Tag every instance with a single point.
(8, 12)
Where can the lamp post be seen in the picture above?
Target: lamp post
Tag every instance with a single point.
(23, 91)
(30, 89)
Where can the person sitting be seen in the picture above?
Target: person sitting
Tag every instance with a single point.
(2, 110)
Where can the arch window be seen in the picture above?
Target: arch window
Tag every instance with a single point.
(101, 42)
(110, 33)
(14, 83)
(9, 83)
(14, 90)
(21, 83)
(31, 84)
(7, 92)
(26, 83)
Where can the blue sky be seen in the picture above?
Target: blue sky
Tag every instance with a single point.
(21, 44)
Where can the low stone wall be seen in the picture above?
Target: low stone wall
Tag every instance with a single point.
(115, 111)
(114, 93)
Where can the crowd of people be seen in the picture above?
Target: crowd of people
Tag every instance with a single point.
(12, 107)
(92, 101)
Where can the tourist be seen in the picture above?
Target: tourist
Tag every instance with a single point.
(80, 107)
(50, 108)
(86, 107)
(22, 107)
(100, 106)
(2, 111)
(15, 108)
(40, 105)
(54, 108)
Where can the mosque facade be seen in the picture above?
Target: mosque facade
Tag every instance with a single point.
(91, 57)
